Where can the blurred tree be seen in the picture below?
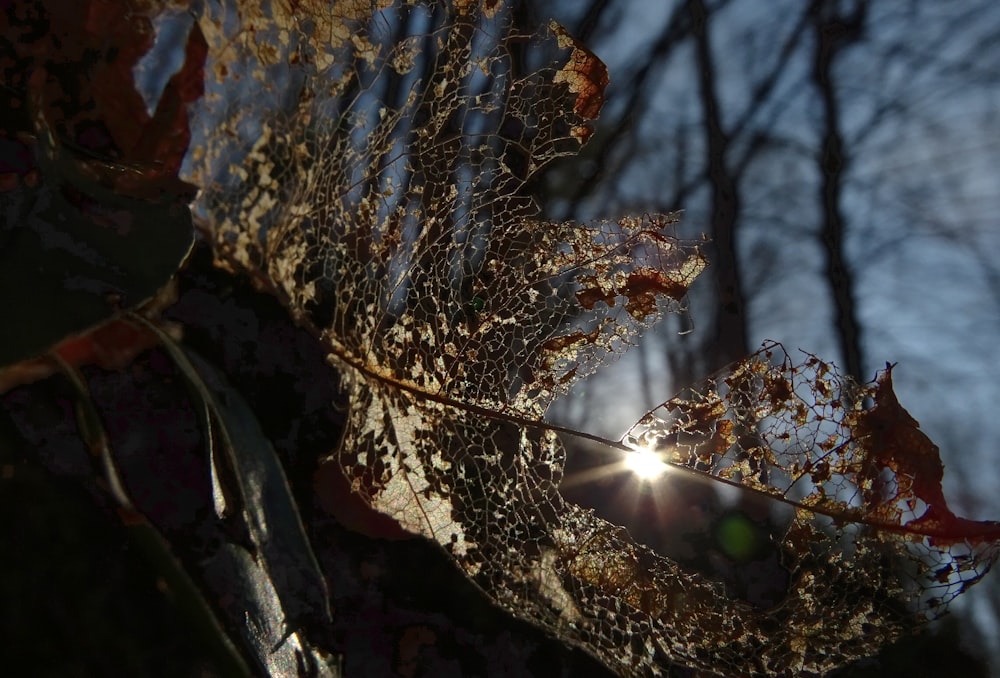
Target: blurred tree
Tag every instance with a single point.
(834, 30)
(842, 154)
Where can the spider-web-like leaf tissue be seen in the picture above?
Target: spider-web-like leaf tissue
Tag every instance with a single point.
(367, 162)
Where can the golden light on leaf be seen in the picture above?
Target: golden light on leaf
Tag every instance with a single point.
(401, 234)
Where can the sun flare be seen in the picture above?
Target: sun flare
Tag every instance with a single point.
(645, 464)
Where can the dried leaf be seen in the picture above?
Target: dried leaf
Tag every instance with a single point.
(382, 198)
(872, 548)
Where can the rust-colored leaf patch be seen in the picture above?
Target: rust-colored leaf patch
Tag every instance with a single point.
(586, 76)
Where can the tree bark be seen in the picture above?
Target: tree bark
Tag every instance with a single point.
(727, 338)
(835, 30)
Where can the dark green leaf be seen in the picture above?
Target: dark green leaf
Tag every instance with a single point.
(266, 500)
(67, 263)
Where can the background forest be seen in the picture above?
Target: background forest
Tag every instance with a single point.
(841, 159)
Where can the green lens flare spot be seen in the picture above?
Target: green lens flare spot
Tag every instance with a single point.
(478, 303)
(736, 536)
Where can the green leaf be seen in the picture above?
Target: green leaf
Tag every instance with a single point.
(247, 462)
(147, 539)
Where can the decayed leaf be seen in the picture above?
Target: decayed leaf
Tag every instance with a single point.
(382, 199)
(869, 544)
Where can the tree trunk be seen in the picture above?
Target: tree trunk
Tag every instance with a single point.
(727, 338)
(835, 31)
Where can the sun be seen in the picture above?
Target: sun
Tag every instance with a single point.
(645, 464)
(642, 458)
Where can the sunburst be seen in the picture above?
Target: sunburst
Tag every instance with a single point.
(645, 463)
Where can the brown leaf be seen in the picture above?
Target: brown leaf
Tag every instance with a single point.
(81, 86)
(400, 233)
(587, 77)
(891, 439)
